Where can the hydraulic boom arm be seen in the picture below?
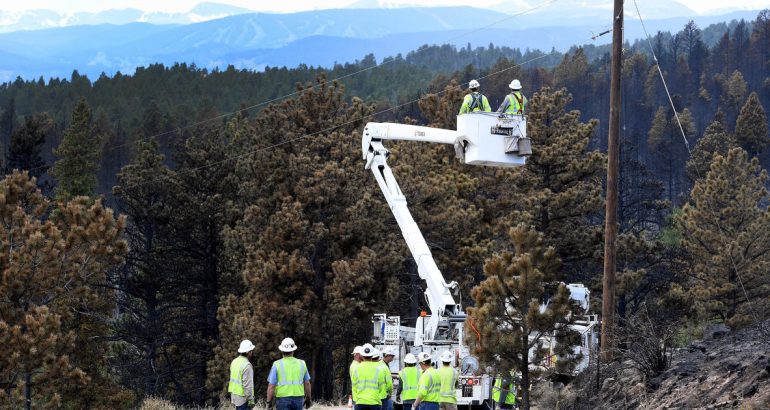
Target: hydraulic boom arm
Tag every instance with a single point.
(487, 147)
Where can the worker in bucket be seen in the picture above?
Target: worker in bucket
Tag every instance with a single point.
(515, 102)
(241, 385)
(288, 381)
(407, 381)
(429, 391)
(474, 101)
(448, 376)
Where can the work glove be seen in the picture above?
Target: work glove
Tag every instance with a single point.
(308, 402)
(251, 403)
(271, 403)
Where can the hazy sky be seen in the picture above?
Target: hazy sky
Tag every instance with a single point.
(700, 6)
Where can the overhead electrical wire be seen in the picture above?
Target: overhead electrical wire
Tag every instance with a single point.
(697, 171)
(342, 77)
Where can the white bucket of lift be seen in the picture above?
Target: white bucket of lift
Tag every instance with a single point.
(484, 137)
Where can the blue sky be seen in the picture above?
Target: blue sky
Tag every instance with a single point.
(700, 6)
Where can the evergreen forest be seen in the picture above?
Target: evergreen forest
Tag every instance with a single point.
(152, 221)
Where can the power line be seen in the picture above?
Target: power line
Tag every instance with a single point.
(697, 171)
(363, 70)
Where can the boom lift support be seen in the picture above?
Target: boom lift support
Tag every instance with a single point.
(480, 139)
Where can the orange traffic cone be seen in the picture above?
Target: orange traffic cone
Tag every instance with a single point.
(350, 402)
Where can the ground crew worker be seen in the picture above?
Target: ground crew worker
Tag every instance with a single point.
(289, 380)
(504, 387)
(429, 390)
(448, 376)
(388, 387)
(515, 102)
(357, 359)
(368, 380)
(407, 381)
(241, 386)
(475, 101)
(387, 356)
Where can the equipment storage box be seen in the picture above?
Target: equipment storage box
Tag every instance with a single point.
(487, 137)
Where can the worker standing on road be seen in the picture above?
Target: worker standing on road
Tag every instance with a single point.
(504, 391)
(241, 386)
(357, 359)
(289, 380)
(515, 102)
(368, 381)
(429, 391)
(407, 381)
(475, 101)
(448, 376)
(387, 356)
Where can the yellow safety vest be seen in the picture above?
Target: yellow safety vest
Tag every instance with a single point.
(513, 103)
(430, 386)
(353, 367)
(237, 367)
(368, 378)
(291, 377)
(510, 398)
(448, 376)
(387, 388)
(410, 376)
(479, 102)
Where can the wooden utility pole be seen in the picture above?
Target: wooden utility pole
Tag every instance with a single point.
(611, 203)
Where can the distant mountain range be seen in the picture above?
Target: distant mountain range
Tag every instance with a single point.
(43, 19)
(315, 38)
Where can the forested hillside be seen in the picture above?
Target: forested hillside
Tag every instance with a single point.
(178, 211)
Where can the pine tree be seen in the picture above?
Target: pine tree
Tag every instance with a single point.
(55, 311)
(726, 231)
(78, 153)
(306, 235)
(26, 144)
(751, 126)
(560, 186)
(513, 331)
(665, 138)
(715, 141)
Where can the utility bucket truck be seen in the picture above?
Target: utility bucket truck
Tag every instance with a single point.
(481, 138)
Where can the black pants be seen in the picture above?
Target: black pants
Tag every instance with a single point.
(368, 407)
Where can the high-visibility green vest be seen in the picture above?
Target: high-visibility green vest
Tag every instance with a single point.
(353, 367)
(513, 103)
(510, 398)
(430, 386)
(410, 376)
(368, 377)
(475, 102)
(237, 367)
(387, 388)
(291, 377)
(448, 376)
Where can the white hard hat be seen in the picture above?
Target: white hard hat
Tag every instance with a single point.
(410, 359)
(446, 356)
(473, 84)
(377, 354)
(389, 351)
(423, 357)
(358, 350)
(287, 345)
(515, 85)
(246, 346)
(367, 350)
